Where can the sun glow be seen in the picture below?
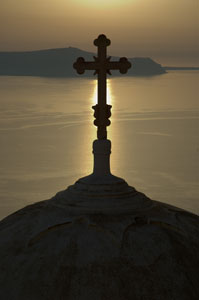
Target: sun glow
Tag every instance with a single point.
(102, 3)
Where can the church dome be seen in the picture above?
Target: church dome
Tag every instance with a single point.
(99, 245)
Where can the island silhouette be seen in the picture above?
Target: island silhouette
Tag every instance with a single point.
(59, 63)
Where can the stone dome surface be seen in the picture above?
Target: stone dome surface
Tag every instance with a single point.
(99, 244)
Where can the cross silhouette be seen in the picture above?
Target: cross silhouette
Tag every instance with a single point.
(102, 65)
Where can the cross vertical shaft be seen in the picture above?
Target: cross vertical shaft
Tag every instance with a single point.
(102, 56)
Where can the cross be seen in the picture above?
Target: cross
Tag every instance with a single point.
(102, 65)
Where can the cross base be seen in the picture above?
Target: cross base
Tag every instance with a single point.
(101, 170)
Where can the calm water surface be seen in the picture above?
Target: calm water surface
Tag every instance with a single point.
(46, 136)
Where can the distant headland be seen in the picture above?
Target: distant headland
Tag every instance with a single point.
(182, 68)
(59, 63)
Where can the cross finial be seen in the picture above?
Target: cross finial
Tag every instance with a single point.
(102, 65)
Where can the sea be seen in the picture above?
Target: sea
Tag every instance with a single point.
(47, 131)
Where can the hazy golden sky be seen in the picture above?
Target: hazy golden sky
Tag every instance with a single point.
(166, 30)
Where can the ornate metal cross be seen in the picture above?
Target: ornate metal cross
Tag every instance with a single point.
(102, 65)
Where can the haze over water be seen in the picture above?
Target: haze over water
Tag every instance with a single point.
(46, 136)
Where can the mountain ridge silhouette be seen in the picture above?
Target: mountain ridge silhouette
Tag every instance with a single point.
(58, 62)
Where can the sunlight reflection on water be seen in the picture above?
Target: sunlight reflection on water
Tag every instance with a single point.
(109, 95)
(46, 135)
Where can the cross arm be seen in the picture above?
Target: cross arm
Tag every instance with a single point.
(81, 65)
(122, 65)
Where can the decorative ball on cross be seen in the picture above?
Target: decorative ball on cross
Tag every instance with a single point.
(102, 65)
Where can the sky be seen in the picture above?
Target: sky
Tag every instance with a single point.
(165, 30)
